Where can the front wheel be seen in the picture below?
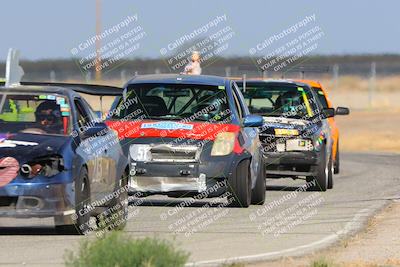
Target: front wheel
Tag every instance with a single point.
(324, 171)
(239, 185)
(82, 201)
(258, 192)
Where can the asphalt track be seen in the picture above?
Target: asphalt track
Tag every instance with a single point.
(290, 223)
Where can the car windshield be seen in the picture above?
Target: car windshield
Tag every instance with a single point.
(279, 100)
(183, 102)
(44, 113)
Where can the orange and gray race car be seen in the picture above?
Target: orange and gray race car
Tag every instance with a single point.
(326, 103)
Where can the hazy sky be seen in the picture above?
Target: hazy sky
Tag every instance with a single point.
(50, 29)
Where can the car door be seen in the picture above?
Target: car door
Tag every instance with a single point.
(92, 151)
(112, 153)
(250, 134)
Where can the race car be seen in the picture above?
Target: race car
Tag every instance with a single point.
(57, 159)
(326, 103)
(296, 138)
(190, 136)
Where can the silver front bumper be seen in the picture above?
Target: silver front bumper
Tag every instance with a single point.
(167, 184)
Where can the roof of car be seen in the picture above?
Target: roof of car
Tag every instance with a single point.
(275, 81)
(179, 78)
(64, 88)
(312, 83)
(29, 88)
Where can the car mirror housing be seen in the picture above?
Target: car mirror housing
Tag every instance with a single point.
(342, 111)
(329, 112)
(96, 130)
(253, 121)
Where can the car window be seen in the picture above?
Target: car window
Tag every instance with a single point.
(83, 118)
(280, 100)
(44, 113)
(190, 102)
(321, 97)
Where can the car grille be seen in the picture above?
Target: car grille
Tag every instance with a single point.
(165, 153)
(170, 153)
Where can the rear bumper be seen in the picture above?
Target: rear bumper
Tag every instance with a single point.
(291, 164)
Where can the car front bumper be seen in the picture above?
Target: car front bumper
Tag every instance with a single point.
(291, 163)
(27, 200)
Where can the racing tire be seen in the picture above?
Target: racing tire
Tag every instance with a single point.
(240, 186)
(120, 204)
(82, 200)
(330, 173)
(258, 192)
(323, 170)
(336, 168)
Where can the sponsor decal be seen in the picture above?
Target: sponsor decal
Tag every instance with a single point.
(167, 125)
(4, 142)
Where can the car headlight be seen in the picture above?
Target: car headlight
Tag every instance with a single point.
(223, 144)
(47, 166)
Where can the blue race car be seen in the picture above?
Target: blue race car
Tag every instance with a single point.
(57, 159)
(190, 135)
(296, 136)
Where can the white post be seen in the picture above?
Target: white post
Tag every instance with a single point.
(52, 76)
(335, 76)
(372, 83)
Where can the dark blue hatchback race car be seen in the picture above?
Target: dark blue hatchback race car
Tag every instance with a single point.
(190, 136)
(57, 159)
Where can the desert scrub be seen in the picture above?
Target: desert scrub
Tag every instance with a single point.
(116, 249)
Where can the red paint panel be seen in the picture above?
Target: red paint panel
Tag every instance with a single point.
(200, 131)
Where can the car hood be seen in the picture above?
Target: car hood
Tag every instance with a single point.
(24, 147)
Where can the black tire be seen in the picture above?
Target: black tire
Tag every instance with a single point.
(258, 192)
(336, 168)
(322, 177)
(330, 173)
(119, 205)
(240, 186)
(82, 200)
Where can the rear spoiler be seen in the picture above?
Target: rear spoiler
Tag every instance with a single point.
(90, 89)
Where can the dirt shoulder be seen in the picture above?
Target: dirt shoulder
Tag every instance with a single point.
(377, 245)
(370, 131)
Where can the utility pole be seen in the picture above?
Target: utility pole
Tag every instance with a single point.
(98, 43)
(372, 84)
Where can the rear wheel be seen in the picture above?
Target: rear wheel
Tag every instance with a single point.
(240, 186)
(82, 201)
(258, 192)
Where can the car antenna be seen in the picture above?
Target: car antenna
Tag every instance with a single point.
(14, 71)
(244, 83)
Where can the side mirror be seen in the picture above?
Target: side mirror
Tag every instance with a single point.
(328, 112)
(253, 121)
(98, 129)
(98, 114)
(342, 111)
